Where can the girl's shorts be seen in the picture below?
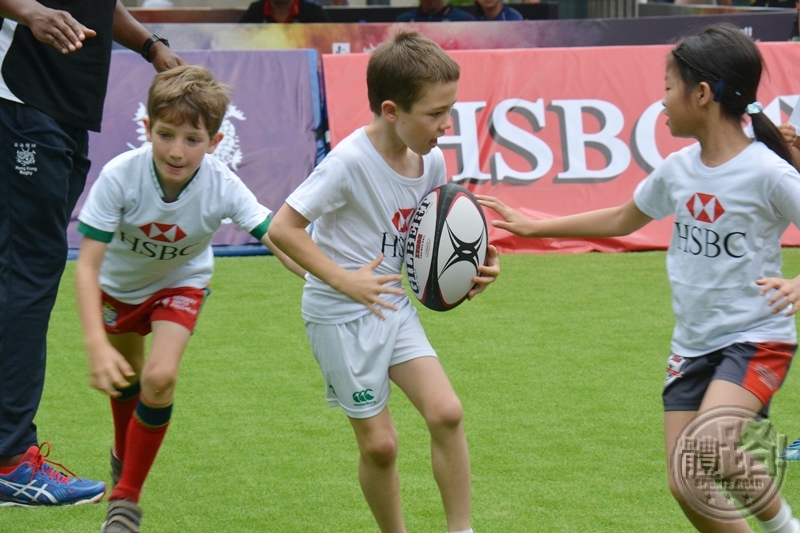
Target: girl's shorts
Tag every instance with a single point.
(355, 357)
(759, 368)
(181, 305)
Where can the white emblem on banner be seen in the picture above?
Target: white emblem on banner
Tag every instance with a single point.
(228, 151)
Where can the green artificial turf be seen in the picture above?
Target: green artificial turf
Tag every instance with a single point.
(559, 367)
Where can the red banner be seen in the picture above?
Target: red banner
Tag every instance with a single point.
(559, 130)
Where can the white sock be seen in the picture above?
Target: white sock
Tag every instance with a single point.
(782, 522)
(465, 531)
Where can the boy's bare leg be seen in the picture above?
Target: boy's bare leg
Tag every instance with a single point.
(131, 346)
(377, 469)
(160, 373)
(425, 383)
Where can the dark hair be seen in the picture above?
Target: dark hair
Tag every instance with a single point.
(730, 63)
(399, 69)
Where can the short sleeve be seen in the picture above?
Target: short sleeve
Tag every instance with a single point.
(785, 197)
(245, 210)
(651, 195)
(104, 205)
(325, 190)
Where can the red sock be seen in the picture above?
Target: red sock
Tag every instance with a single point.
(122, 412)
(146, 432)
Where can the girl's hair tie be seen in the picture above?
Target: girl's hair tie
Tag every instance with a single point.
(718, 90)
(754, 108)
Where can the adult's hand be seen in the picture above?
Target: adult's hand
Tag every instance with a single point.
(163, 58)
(57, 28)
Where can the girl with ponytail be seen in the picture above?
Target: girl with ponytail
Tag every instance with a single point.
(734, 338)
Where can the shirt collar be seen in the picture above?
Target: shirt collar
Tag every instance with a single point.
(160, 189)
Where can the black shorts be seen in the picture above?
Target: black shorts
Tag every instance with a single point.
(760, 368)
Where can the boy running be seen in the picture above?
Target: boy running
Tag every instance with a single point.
(145, 263)
(362, 326)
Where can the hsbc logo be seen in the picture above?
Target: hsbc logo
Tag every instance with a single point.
(163, 232)
(705, 207)
(400, 219)
(159, 233)
(393, 245)
(703, 241)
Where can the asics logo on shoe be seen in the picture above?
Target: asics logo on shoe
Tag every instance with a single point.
(31, 493)
(363, 397)
(34, 482)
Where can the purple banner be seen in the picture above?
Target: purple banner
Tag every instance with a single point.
(270, 126)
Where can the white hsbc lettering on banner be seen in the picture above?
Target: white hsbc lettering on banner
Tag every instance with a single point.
(574, 139)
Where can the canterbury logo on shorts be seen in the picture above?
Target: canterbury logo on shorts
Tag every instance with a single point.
(363, 397)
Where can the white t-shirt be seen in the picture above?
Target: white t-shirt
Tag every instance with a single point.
(726, 234)
(360, 208)
(153, 245)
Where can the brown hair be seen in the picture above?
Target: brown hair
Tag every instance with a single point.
(399, 70)
(188, 94)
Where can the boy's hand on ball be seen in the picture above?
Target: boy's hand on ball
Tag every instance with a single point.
(512, 221)
(365, 287)
(785, 294)
(488, 272)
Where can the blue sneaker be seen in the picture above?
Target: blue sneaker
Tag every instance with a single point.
(792, 452)
(34, 482)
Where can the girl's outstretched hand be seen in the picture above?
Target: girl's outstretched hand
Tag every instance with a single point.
(786, 293)
(486, 273)
(512, 220)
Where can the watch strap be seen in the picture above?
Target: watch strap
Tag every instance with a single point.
(153, 39)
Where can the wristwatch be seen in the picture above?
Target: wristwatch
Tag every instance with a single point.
(153, 39)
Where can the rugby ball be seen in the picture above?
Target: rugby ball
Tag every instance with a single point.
(446, 243)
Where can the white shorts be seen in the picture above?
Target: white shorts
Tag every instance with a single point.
(355, 357)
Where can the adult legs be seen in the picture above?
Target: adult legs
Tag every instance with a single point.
(43, 167)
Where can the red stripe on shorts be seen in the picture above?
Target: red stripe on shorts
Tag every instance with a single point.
(767, 369)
